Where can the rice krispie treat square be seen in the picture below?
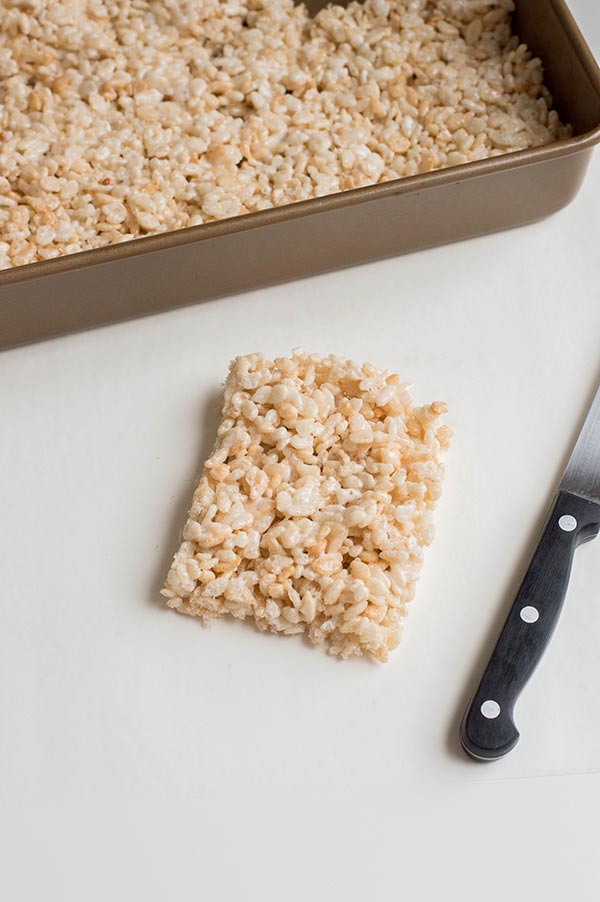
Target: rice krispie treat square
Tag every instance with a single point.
(315, 505)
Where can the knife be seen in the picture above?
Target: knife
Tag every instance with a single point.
(488, 730)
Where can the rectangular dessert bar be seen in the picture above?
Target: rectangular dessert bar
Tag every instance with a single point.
(315, 505)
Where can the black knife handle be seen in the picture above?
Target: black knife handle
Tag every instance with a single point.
(488, 730)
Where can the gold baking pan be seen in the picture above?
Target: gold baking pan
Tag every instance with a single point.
(173, 269)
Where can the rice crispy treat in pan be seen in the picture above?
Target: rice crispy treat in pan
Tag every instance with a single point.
(313, 510)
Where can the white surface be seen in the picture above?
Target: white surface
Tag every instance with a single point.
(142, 757)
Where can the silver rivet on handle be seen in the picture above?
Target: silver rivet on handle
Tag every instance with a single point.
(529, 614)
(567, 523)
(490, 709)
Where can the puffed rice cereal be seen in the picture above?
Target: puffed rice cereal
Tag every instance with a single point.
(315, 505)
(125, 118)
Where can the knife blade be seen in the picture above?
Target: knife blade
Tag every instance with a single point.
(582, 475)
(488, 730)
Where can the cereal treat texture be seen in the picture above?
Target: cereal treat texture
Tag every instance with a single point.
(313, 510)
(125, 118)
